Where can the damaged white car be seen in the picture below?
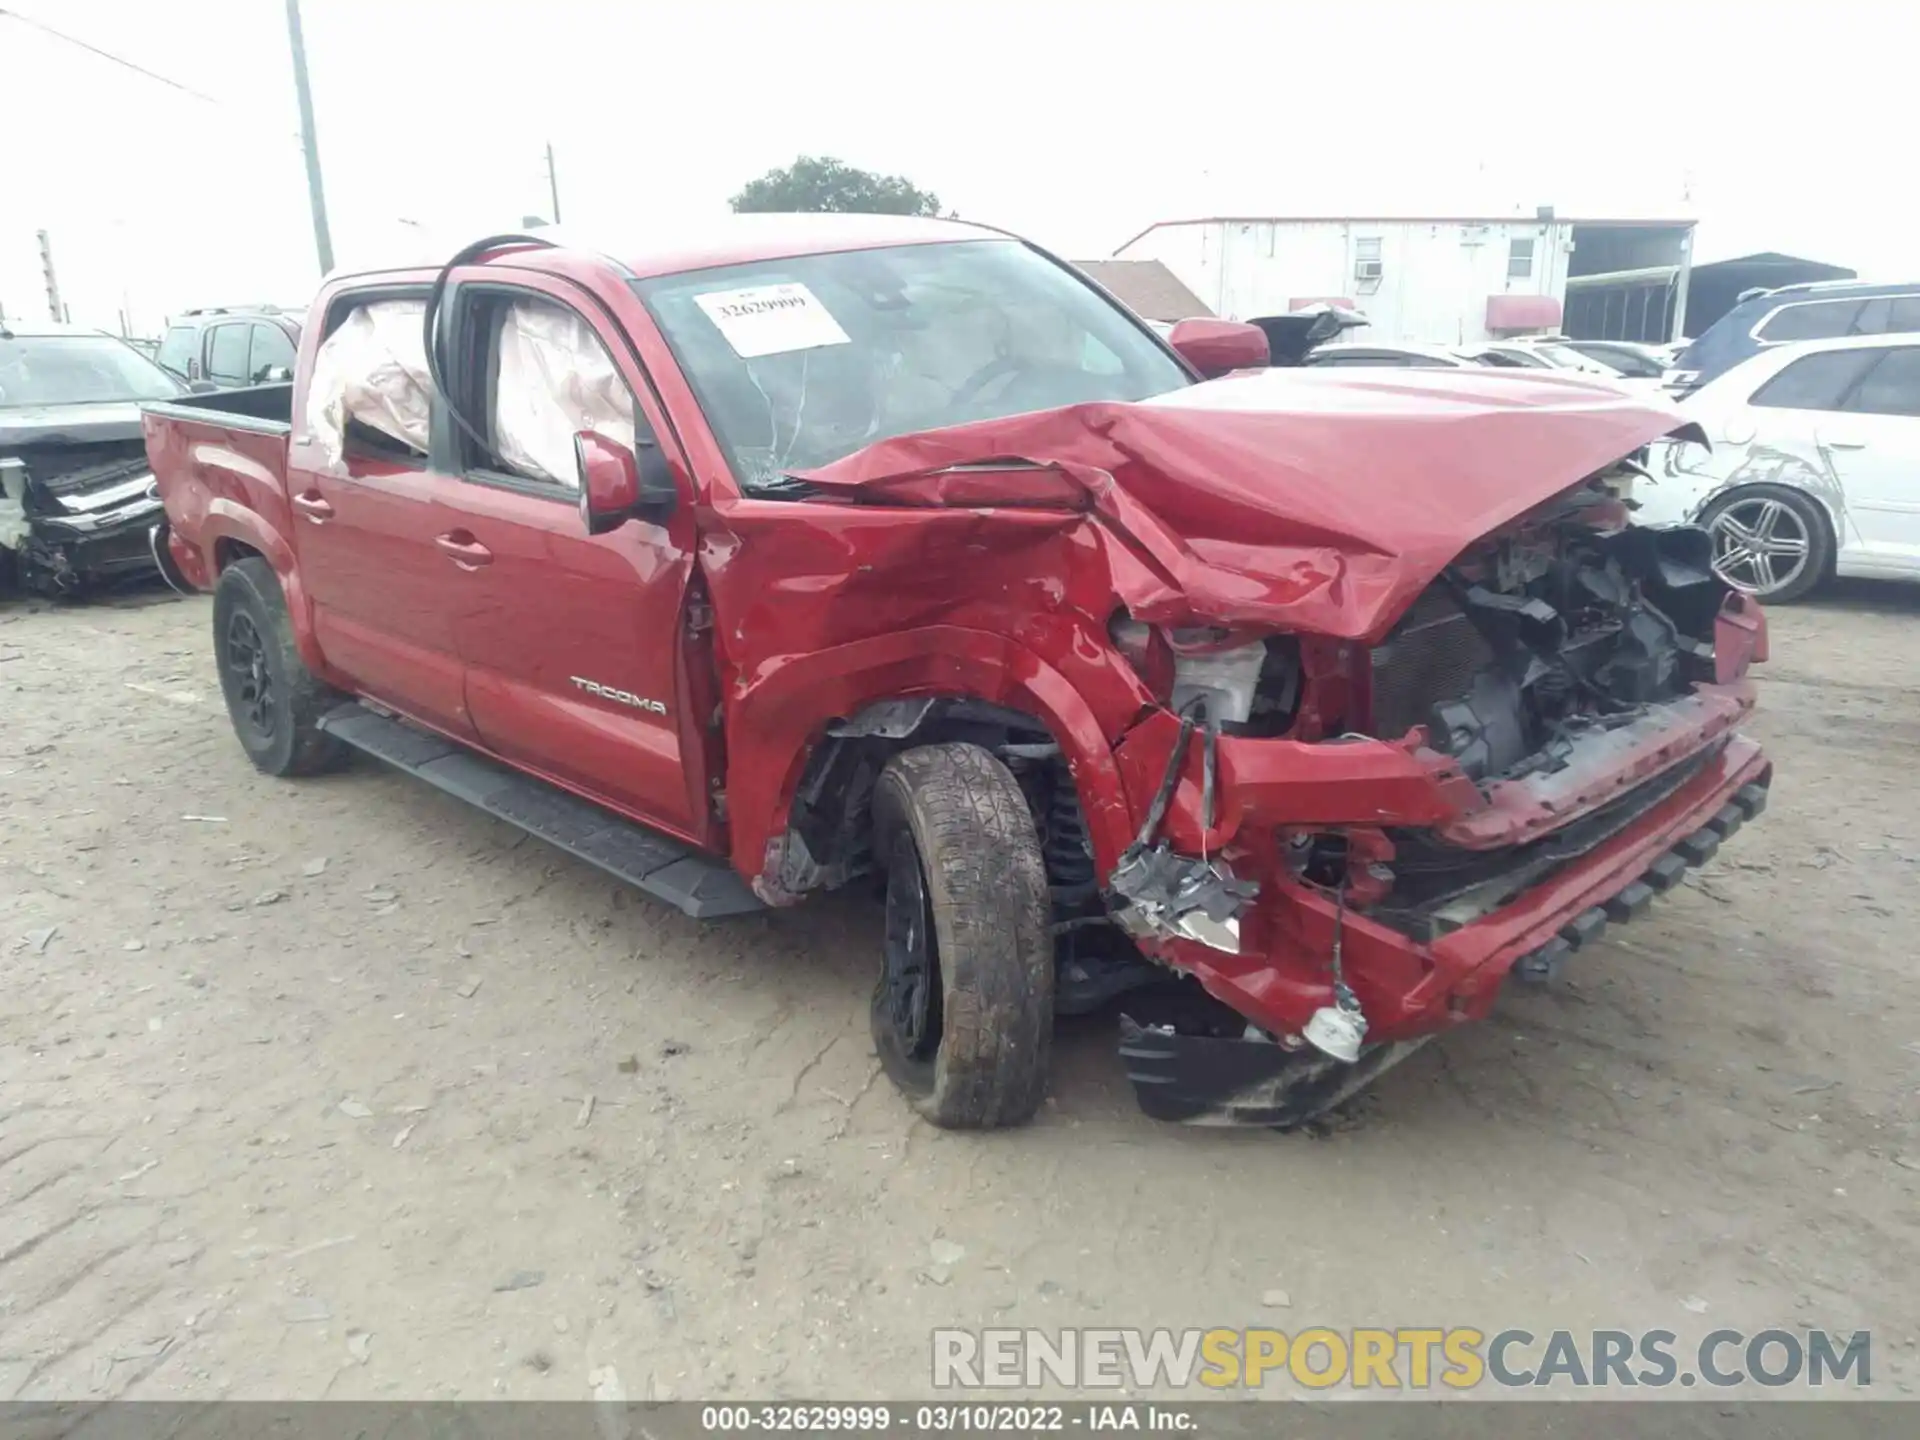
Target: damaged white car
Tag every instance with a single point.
(1813, 467)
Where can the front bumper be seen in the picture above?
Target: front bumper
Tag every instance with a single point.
(69, 552)
(1409, 987)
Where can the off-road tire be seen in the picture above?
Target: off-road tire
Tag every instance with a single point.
(1813, 519)
(958, 815)
(292, 743)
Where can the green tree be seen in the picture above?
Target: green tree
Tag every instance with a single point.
(823, 183)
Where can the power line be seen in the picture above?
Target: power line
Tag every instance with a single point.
(119, 60)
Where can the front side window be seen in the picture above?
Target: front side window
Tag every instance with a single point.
(227, 354)
(1892, 387)
(272, 351)
(552, 379)
(1814, 382)
(1813, 320)
(798, 362)
(77, 370)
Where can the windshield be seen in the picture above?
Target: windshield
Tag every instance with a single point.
(77, 370)
(798, 362)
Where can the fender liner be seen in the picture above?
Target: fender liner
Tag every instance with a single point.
(775, 723)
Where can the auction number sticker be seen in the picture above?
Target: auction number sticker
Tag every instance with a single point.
(771, 319)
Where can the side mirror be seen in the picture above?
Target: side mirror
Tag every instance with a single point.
(201, 387)
(617, 484)
(276, 375)
(1219, 347)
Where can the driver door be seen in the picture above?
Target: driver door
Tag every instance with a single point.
(571, 641)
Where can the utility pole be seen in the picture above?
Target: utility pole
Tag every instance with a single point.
(316, 194)
(553, 183)
(54, 308)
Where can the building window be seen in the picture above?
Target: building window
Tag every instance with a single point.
(1520, 258)
(1366, 258)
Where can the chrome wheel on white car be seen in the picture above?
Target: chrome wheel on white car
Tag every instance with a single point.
(1769, 543)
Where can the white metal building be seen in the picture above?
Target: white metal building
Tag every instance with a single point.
(1443, 279)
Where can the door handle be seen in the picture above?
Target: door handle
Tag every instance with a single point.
(1835, 443)
(313, 505)
(465, 551)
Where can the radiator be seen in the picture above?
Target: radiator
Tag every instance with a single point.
(1432, 655)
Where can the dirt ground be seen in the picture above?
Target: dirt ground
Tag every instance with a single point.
(339, 1088)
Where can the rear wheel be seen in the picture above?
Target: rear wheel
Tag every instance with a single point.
(1771, 541)
(273, 700)
(963, 1013)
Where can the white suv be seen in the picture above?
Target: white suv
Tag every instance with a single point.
(1814, 468)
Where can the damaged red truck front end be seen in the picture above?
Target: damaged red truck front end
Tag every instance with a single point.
(1291, 710)
(1370, 693)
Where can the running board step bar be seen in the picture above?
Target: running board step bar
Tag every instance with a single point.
(1543, 966)
(667, 869)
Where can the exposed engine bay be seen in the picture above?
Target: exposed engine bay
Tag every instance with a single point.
(1568, 624)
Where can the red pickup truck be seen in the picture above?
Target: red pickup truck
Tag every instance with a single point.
(1292, 711)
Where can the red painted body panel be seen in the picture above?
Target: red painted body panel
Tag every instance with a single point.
(1319, 501)
(1315, 502)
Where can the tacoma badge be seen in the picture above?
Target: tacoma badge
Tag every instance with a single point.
(623, 697)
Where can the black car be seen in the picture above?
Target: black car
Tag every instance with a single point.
(77, 501)
(226, 347)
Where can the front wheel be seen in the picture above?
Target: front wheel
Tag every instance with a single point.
(273, 700)
(963, 1014)
(1771, 541)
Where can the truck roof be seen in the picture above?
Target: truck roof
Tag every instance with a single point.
(703, 242)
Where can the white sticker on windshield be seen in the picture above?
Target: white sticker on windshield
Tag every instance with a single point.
(771, 319)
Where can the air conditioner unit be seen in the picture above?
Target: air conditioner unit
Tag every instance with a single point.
(1367, 270)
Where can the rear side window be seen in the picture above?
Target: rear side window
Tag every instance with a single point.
(1889, 315)
(272, 350)
(176, 350)
(369, 399)
(1892, 387)
(227, 354)
(1814, 382)
(1811, 320)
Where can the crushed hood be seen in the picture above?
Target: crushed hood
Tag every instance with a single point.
(1306, 500)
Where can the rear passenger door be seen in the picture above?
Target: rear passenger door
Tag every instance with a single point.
(365, 510)
(1874, 442)
(571, 641)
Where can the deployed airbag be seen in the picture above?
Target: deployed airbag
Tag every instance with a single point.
(372, 369)
(556, 379)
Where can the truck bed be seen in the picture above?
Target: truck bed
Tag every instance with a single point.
(264, 408)
(220, 464)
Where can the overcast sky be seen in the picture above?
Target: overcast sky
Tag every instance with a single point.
(1783, 128)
